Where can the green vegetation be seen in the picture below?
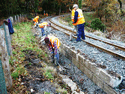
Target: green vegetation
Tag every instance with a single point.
(97, 24)
(15, 75)
(88, 16)
(49, 75)
(46, 92)
(62, 91)
(23, 40)
(20, 70)
(29, 63)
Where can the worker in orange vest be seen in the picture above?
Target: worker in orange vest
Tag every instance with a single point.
(43, 26)
(79, 21)
(46, 14)
(53, 44)
(36, 20)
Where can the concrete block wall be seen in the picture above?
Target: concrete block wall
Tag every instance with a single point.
(98, 75)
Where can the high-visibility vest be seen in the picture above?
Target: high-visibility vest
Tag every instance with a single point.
(43, 24)
(72, 15)
(81, 19)
(36, 19)
(46, 14)
(53, 39)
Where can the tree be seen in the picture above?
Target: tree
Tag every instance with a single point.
(120, 3)
(80, 3)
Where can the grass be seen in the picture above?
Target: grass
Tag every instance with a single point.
(20, 70)
(49, 75)
(23, 39)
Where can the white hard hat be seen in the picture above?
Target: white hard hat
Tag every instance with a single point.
(75, 6)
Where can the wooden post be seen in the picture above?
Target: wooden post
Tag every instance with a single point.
(5, 60)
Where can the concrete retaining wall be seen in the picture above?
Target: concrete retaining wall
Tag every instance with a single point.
(98, 75)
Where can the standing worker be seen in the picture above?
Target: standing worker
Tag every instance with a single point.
(53, 44)
(43, 27)
(36, 20)
(78, 21)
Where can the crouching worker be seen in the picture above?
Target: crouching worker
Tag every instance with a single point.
(53, 44)
(44, 28)
(36, 21)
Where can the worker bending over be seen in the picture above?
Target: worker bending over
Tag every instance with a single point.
(78, 20)
(53, 44)
(44, 28)
(36, 21)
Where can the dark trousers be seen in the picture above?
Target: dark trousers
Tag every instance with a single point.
(81, 33)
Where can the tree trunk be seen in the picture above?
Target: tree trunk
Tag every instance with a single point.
(120, 3)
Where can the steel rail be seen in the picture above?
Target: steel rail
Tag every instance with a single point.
(120, 47)
(90, 43)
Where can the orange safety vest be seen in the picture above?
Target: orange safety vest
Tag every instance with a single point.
(53, 39)
(46, 14)
(43, 24)
(72, 15)
(81, 19)
(36, 19)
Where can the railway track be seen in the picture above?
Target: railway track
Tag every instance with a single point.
(110, 64)
(116, 48)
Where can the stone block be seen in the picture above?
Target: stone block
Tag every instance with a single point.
(82, 67)
(70, 52)
(64, 47)
(97, 81)
(80, 58)
(87, 63)
(108, 89)
(73, 53)
(83, 63)
(94, 68)
(104, 76)
(88, 72)
(69, 57)
(67, 49)
(75, 62)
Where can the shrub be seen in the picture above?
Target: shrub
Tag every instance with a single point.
(87, 24)
(97, 24)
